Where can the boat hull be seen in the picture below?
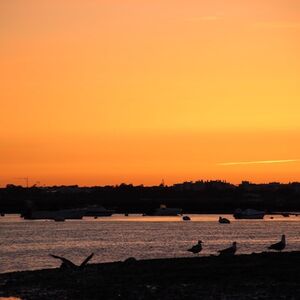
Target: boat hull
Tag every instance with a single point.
(55, 215)
(249, 217)
(249, 214)
(165, 212)
(98, 211)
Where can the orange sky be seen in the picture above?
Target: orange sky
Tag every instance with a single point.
(104, 92)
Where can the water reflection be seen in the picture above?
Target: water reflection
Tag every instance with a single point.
(25, 245)
(141, 218)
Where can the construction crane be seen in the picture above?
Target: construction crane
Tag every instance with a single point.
(26, 180)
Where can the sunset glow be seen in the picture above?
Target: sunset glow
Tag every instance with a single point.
(105, 92)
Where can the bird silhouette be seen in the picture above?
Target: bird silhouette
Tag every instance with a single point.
(280, 245)
(229, 251)
(196, 248)
(223, 220)
(67, 264)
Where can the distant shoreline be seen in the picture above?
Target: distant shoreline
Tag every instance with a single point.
(190, 197)
(266, 275)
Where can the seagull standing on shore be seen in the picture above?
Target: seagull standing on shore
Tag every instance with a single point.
(228, 251)
(280, 245)
(197, 248)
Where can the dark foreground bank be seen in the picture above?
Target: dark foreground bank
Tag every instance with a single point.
(255, 276)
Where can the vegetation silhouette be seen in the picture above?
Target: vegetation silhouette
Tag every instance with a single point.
(192, 197)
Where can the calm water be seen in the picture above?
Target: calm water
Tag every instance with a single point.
(25, 245)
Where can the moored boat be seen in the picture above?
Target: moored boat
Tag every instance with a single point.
(248, 214)
(62, 214)
(98, 211)
(165, 211)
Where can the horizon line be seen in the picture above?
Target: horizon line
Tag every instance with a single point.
(156, 185)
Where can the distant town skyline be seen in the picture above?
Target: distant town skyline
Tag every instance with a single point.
(105, 92)
(31, 183)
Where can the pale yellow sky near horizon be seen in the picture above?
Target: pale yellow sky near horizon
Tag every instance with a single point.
(104, 92)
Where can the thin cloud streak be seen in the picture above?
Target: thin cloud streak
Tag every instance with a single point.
(258, 162)
(277, 25)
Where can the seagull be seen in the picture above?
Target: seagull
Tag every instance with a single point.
(280, 245)
(228, 251)
(197, 248)
(67, 264)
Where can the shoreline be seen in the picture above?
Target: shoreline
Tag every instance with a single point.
(266, 275)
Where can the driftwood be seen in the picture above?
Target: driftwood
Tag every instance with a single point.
(67, 264)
